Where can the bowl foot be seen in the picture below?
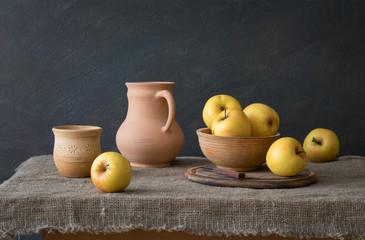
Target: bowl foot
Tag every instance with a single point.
(155, 165)
(247, 169)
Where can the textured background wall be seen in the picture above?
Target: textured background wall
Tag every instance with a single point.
(66, 62)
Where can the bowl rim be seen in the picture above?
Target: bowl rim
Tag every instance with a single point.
(200, 132)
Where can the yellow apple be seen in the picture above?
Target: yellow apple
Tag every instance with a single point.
(263, 119)
(321, 145)
(231, 122)
(111, 172)
(286, 157)
(216, 105)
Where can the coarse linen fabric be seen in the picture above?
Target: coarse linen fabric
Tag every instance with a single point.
(37, 197)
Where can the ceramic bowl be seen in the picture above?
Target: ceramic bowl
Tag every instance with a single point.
(241, 154)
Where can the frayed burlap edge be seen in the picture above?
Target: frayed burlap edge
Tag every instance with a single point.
(220, 225)
(211, 226)
(110, 230)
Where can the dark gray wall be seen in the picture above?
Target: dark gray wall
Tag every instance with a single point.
(66, 62)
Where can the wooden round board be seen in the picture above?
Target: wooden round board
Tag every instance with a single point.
(261, 178)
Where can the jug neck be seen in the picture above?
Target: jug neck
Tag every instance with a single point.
(147, 89)
(142, 100)
(151, 86)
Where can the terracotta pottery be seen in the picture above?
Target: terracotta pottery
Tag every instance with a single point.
(242, 154)
(149, 135)
(75, 148)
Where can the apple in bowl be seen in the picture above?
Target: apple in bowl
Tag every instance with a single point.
(231, 122)
(264, 120)
(216, 105)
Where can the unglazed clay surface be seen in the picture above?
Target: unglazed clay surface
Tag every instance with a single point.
(75, 149)
(150, 136)
(242, 154)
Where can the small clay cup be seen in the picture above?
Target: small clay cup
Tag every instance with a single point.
(75, 148)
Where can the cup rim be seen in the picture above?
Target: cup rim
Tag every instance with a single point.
(76, 128)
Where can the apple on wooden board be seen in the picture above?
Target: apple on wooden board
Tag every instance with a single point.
(264, 120)
(321, 145)
(286, 157)
(111, 172)
(216, 105)
(231, 122)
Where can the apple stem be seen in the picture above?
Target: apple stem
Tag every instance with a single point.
(225, 113)
(106, 167)
(316, 141)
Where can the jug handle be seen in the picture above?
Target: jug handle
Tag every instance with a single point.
(171, 105)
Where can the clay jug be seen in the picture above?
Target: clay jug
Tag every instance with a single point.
(149, 135)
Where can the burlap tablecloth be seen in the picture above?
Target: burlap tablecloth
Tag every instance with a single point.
(37, 197)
